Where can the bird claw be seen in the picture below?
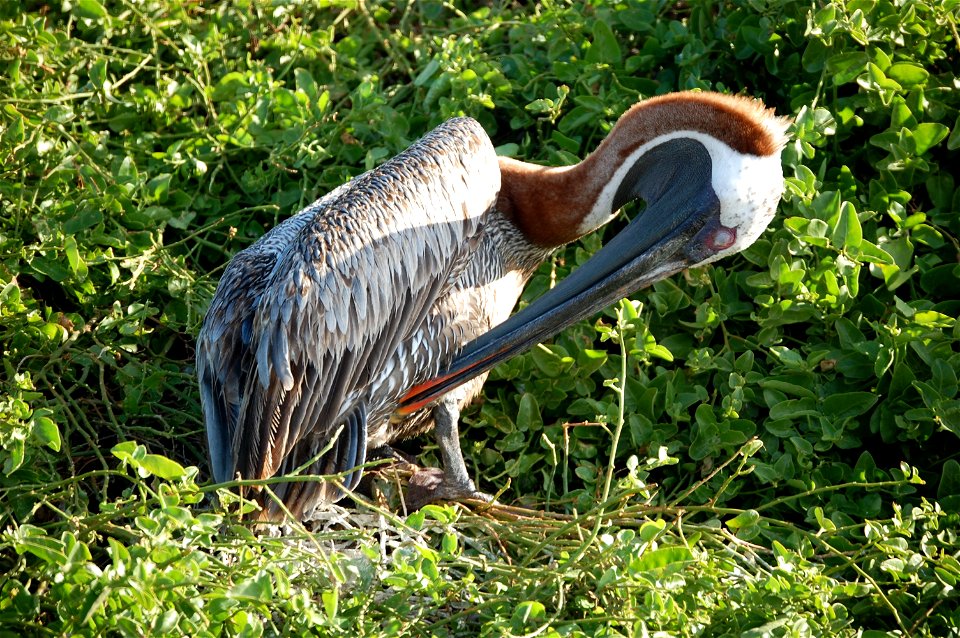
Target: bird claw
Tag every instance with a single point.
(429, 485)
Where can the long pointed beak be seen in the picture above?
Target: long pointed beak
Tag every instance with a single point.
(679, 229)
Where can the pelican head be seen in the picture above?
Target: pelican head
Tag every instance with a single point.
(706, 165)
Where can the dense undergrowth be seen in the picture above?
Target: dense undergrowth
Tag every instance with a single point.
(787, 420)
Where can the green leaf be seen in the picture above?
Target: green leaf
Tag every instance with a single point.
(73, 254)
(650, 530)
(949, 480)
(258, 588)
(331, 602)
(934, 319)
(82, 221)
(449, 543)
(927, 135)
(826, 18)
(416, 519)
(604, 47)
(908, 74)
(428, 71)
(528, 613)
(98, 73)
(14, 132)
(53, 268)
(528, 414)
(609, 576)
(161, 466)
(46, 431)
(90, 9)
(661, 558)
(795, 408)
(954, 142)
(747, 518)
(872, 253)
(59, 114)
(30, 539)
(552, 360)
(540, 105)
(306, 83)
(230, 86)
(845, 67)
(658, 350)
(157, 187)
(16, 454)
(848, 404)
(848, 232)
(125, 450)
(788, 388)
(894, 566)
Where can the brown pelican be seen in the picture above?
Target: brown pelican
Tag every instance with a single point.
(376, 312)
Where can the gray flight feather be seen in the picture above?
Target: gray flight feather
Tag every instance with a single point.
(325, 322)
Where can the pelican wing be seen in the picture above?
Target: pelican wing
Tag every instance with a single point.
(335, 292)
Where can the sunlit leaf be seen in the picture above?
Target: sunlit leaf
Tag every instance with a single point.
(162, 466)
(604, 46)
(90, 9)
(928, 135)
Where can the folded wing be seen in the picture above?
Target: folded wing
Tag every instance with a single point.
(306, 319)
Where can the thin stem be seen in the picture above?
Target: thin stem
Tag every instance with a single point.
(621, 389)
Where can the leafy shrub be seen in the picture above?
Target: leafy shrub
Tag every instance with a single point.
(765, 446)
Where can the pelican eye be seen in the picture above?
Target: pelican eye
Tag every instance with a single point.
(722, 238)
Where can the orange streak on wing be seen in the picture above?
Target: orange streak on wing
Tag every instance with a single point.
(405, 410)
(424, 387)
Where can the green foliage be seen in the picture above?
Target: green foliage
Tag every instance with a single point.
(764, 447)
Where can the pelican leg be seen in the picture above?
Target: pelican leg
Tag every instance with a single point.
(453, 483)
(387, 452)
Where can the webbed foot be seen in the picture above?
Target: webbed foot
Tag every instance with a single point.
(430, 485)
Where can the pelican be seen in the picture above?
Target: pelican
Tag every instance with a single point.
(375, 314)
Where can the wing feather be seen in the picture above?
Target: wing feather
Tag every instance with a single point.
(305, 319)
